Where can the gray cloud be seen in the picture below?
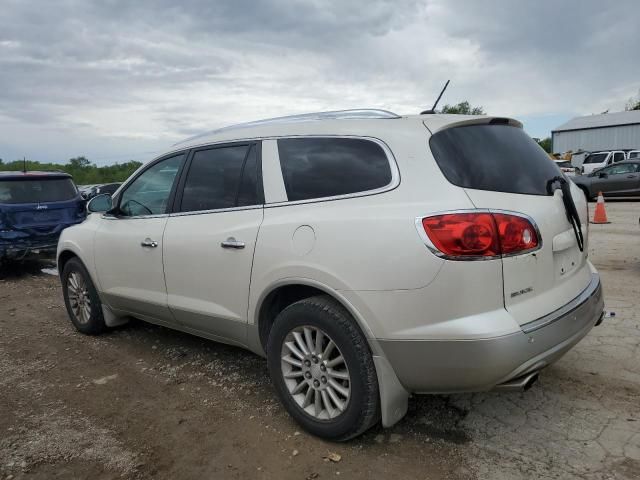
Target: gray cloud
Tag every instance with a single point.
(100, 78)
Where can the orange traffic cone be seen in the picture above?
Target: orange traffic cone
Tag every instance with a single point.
(600, 216)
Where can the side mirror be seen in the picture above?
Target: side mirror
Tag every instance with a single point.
(100, 203)
(603, 175)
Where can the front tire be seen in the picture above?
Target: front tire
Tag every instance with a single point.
(322, 369)
(81, 299)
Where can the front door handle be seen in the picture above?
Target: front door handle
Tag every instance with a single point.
(148, 243)
(232, 243)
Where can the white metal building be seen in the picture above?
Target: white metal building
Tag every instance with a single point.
(607, 131)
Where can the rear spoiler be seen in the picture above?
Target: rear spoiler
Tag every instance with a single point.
(437, 123)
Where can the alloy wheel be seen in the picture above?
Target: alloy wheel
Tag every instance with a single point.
(315, 372)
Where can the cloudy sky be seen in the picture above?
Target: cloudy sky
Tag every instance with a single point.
(119, 79)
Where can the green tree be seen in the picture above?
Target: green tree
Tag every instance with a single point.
(546, 144)
(633, 103)
(79, 162)
(81, 169)
(463, 108)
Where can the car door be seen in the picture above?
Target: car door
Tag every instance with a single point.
(128, 243)
(210, 239)
(622, 179)
(618, 157)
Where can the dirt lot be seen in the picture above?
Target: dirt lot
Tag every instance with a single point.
(147, 402)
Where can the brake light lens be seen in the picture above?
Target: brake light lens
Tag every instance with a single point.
(480, 234)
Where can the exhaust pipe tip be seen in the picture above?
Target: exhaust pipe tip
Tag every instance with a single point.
(520, 384)
(530, 381)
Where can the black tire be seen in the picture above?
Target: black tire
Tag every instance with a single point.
(94, 325)
(362, 409)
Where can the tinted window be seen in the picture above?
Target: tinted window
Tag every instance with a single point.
(325, 167)
(222, 177)
(498, 158)
(618, 157)
(149, 193)
(634, 155)
(37, 190)
(596, 158)
(248, 193)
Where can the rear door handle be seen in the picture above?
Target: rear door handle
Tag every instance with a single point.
(631, 176)
(232, 243)
(148, 243)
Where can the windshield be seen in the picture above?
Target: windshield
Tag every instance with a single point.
(40, 190)
(498, 158)
(596, 158)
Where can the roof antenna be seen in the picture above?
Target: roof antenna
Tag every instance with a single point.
(433, 109)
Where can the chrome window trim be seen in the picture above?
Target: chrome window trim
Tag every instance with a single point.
(393, 165)
(217, 210)
(107, 216)
(433, 249)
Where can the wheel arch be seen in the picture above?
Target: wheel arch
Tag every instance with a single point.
(63, 257)
(285, 292)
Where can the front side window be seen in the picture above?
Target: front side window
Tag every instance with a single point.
(222, 177)
(327, 167)
(619, 169)
(149, 193)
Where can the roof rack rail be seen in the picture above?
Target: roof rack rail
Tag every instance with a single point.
(356, 114)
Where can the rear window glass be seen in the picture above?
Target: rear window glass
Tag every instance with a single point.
(498, 158)
(327, 167)
(37, 190)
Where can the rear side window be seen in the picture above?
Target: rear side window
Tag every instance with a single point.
(223, 177)
(37, 190)
(618, 157)
(498, 158)
(326, 167)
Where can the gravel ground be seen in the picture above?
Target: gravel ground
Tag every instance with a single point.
(147, 402)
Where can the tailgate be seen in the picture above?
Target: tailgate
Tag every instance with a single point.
(540, 282)
(501, 168)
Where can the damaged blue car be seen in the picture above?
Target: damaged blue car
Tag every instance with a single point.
(34, 208)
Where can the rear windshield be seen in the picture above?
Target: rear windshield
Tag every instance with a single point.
(498, 158)
(596, 158)
(37, 190)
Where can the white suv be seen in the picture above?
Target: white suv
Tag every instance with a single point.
(366, 255)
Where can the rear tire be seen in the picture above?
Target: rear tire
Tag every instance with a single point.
(81, 299)
(331, 391)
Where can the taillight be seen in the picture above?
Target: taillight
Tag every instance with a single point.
(480, 234)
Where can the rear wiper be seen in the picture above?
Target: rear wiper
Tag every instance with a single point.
(569, 206)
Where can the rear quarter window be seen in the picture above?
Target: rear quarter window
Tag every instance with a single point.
(327, 167)
(498, 158)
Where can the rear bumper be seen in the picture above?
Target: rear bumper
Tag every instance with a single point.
(444, 366)
(18, 244)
